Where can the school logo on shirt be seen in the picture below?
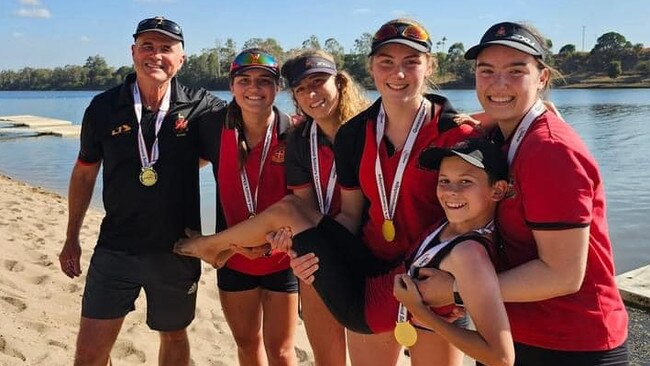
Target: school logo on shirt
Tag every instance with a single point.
(123, 129)
(277, 156)
(180, 125)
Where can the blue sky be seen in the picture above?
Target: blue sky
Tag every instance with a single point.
(50, 33)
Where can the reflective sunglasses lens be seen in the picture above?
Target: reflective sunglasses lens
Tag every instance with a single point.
(248, 59)
(416, 33)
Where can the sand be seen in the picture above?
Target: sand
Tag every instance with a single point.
(40, 306)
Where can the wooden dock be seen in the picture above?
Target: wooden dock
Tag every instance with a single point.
(635, 287)
(28, 125)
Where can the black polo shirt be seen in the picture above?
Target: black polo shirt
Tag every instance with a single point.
(143, 219)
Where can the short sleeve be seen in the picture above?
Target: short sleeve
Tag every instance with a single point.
(90, 150)
(210, 126)
(348, 150)
(297, 163)
(557, 188)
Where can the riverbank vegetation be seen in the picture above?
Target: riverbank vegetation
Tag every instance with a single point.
(613, 62)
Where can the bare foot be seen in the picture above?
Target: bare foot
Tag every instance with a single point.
(221, 258)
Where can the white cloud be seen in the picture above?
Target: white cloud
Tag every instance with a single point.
(153, 1)
(18, 34)
(85, 39)
(361, 11)
(33, 13)
(30, 2)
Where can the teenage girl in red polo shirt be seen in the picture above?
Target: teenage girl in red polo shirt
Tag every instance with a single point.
(387, 198)
(560, 291)
(245, 144)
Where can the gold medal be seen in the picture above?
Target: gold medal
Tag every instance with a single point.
(388, 229)
(148, 176)
(405, 334)
(251, 215)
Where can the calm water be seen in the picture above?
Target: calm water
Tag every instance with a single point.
(615, 124)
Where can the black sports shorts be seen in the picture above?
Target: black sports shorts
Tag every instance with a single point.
(235, 281)
(170, 283)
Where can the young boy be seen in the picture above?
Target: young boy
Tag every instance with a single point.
(472, 180)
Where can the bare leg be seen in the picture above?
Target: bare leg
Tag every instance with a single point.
(95, 340)
(326, 335)
(289, 212)
(243, 312)
(279, 327)
(373, 349)
(174, 348)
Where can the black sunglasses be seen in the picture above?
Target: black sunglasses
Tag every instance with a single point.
(160, 23)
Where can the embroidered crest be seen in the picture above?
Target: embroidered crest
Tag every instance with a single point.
(278, 155)
(501, 32)
(180, 125)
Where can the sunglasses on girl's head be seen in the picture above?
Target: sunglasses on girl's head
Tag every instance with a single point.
(159, 23)
(402, 30)
(248, 59)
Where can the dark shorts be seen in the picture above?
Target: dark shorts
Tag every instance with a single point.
(170, 283)
(534, 356)
(234, 281)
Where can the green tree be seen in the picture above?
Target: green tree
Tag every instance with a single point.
(311, 42)
(614, 69)
(270, 44)
(100, 75)
(362, 44)
(334, 48)
(609, 47)
(567, 50)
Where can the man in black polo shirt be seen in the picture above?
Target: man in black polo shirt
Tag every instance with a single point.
(144, 133)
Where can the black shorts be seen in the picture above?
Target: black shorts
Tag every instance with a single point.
(231, 280)
(534, 356)
(170, 282)
(344, 264)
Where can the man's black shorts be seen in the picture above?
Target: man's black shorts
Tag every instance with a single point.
(170, 283)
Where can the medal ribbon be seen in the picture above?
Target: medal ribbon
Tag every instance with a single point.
(422, 259)
(147, 160)
(535, 111)
(323, 204)
(251, 202)
(388, 208)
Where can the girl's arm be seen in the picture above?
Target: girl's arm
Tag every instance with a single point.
(491, 343)
(562, 264)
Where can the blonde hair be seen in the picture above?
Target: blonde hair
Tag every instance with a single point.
(352, 97)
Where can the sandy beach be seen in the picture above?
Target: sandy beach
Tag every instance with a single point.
(40, 306)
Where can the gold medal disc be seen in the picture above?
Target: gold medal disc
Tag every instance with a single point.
(405, 334)
(388, 229)
(148, 177)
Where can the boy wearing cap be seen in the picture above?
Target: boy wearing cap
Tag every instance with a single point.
(143, 132)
